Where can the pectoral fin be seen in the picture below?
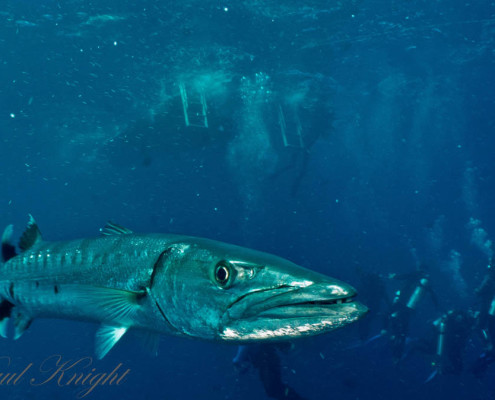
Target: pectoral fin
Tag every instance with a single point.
(116, 308)
(111, 305)
(106, 337)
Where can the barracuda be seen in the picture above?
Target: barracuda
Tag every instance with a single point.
(166, 284)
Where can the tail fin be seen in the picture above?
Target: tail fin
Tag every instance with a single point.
(8, 249)
(29, 238)
(5, 312)
(8, 252)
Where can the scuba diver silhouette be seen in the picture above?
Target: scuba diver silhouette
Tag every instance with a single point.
(416, 284)
(372, 292)
(447, 342)
(453, 331)
(266, 360)
(486, 320)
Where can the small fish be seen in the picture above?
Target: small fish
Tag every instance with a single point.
(103, 19)
(25, 24)
(166, 284)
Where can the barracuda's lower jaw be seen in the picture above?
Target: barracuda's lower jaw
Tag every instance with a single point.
(293, 320)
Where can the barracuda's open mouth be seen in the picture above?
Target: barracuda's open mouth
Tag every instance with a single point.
(310, 308)
(325, 302)
(289, 312)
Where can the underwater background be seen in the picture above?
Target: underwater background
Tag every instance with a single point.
(347, 136)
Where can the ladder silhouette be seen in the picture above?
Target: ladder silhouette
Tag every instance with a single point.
(291, 137)
(194, 106)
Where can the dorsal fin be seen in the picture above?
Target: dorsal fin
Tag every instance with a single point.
(113, 229)
(31, 235)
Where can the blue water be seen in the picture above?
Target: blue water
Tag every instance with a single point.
(396, 107)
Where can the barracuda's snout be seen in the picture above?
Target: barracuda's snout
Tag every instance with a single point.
(226, 292)
(304, 303)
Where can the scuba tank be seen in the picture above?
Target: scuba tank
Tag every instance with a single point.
(418, 292)
(491, 310)
(438, 362)
(441, 337)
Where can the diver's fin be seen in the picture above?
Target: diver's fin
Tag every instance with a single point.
(150, 341)
(31, 235)
(113, 229)
(110, 304)
(432, 376)
(21, 323)
(366, 342)
(373, 338)
(106, 337)
(8, 249)
(356, 344)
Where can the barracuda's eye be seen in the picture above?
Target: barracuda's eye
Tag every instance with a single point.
(223, 273)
